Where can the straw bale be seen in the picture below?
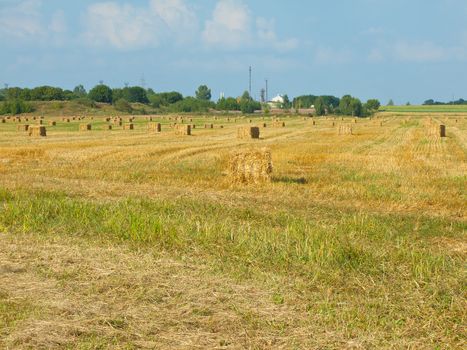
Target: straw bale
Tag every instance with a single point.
(278, 124)
(183, 130)
(37, 130)
(250, 166)
(156, 127)
(129, 126)
(85, 127)
(345, 130)
(442, 131)
(248, 132)
(22, 127)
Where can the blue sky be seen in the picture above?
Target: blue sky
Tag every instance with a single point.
(406, 50)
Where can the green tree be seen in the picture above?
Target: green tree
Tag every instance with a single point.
(246, 96)
(79, 91)
(228, 104)
(391, 102)
(101, 93)
(372, 105)
(349, 105)
(286, 104)
(203, 93)
(15, 107)
(249, 106)
(320, 106)
(191, 104)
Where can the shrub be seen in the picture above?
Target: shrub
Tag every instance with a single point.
(123, 105)
(15, 107)
(84, 101)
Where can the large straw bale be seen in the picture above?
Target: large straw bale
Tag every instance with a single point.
(37, 131)
(248, 132)
(22, 127)
(155, 127)
(345, 130)
(183, 129)
(250, 166)
(442, 131)
(85, 127)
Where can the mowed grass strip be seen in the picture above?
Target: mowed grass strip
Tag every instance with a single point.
(361, 273)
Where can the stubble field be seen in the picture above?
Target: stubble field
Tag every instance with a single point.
(128, 239)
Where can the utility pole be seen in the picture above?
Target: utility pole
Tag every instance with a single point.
(267, 91)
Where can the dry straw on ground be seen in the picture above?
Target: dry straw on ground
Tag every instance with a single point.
(248, 132)
(37, 130)
(250, 166)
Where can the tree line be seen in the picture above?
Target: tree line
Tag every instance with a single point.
(432, 102)
(15, 100)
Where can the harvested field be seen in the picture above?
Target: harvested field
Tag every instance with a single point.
(128, 240)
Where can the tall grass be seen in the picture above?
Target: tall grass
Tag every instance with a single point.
(246, 239)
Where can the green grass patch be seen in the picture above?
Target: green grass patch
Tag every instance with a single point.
(425, 109)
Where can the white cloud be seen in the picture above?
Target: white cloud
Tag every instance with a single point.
(22, 21)
(266, 32)
(428, 52)
(126, 27)
(230, 25)
(233, 26)
(26, 22)
(327, 55)
(419, 52)
(176, 15)
(120, 26)
(58, 23)
(376, 56)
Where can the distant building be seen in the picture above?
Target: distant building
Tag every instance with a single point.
(276, 102)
